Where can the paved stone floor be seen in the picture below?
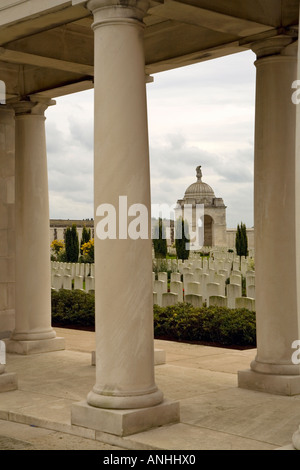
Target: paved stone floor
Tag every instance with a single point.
(17, 436)
(215, 413)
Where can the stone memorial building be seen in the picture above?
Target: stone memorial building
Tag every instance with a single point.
(214, 216)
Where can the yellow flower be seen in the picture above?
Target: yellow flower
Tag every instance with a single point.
(57, 245)
(86, 247)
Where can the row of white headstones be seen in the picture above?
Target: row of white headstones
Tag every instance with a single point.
(214, 281)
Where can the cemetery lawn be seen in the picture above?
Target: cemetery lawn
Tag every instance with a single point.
(213, 326)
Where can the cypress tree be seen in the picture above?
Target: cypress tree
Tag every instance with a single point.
(85, 237)
(241, 240)
(245, 239)
(72, 244)
(238, 240)
(182, 238)
(159, 240)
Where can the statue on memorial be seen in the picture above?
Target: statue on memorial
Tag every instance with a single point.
(199, 173)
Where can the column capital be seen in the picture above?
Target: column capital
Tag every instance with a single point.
(279, 45)
(105, 10)
(34, 105)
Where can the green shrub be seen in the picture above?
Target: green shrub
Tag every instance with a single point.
(181, 322)
(161, 265)
(73, 307)
(224, 326)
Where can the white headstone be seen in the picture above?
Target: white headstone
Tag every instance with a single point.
(217, 301)
(251, 291)
(67, 282)
(245, 302)
(162, 276)
(168, 299)
(78, 282)
(175, 277)
(2, 353)
(233, 291)
(160, 287)
(212, 288)
(188, 278)
(193, 288)
(176, 287)
(57, 282)
(194, 299)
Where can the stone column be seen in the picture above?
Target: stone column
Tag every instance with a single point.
(8, 380)
(7, 220)
(277, 217)
(296, 435)
(123, 266)
(33, 332)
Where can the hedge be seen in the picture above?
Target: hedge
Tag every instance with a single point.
(220, 325)
(181, 322)
(73, 307)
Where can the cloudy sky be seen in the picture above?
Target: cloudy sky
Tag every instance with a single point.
(198, 115)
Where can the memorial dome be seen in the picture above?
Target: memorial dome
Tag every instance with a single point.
(200, 192)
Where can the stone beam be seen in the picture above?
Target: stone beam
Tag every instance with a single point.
(66, 89)
(21, 25)
(18, 57)
(195, 57)
(215, 21)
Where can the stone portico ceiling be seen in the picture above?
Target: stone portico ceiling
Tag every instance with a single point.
(47, 47)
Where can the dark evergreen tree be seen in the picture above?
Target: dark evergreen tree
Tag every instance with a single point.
(241, 240)
(85, 237)
(182, 238)
(159, 240)
(238, 240)
(72, 244)
(244, 239)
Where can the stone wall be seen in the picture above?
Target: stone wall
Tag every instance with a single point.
(58, 228)
(231, 233)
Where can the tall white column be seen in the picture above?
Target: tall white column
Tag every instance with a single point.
(276, 218)
(33, 331)
(296, 435)
(8, 380)
(123, 266)
(7, 228)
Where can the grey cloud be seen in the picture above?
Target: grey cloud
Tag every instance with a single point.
(173, 169)
(232, 74)
(222, 85)
(56, 139)
(82, 132)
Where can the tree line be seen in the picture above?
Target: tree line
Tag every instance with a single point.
(70, 250)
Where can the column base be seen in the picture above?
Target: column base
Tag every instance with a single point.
(159, 357)
(296, 439)
(124, 422)
(8, 382)
(270, 383)
(35, 346)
